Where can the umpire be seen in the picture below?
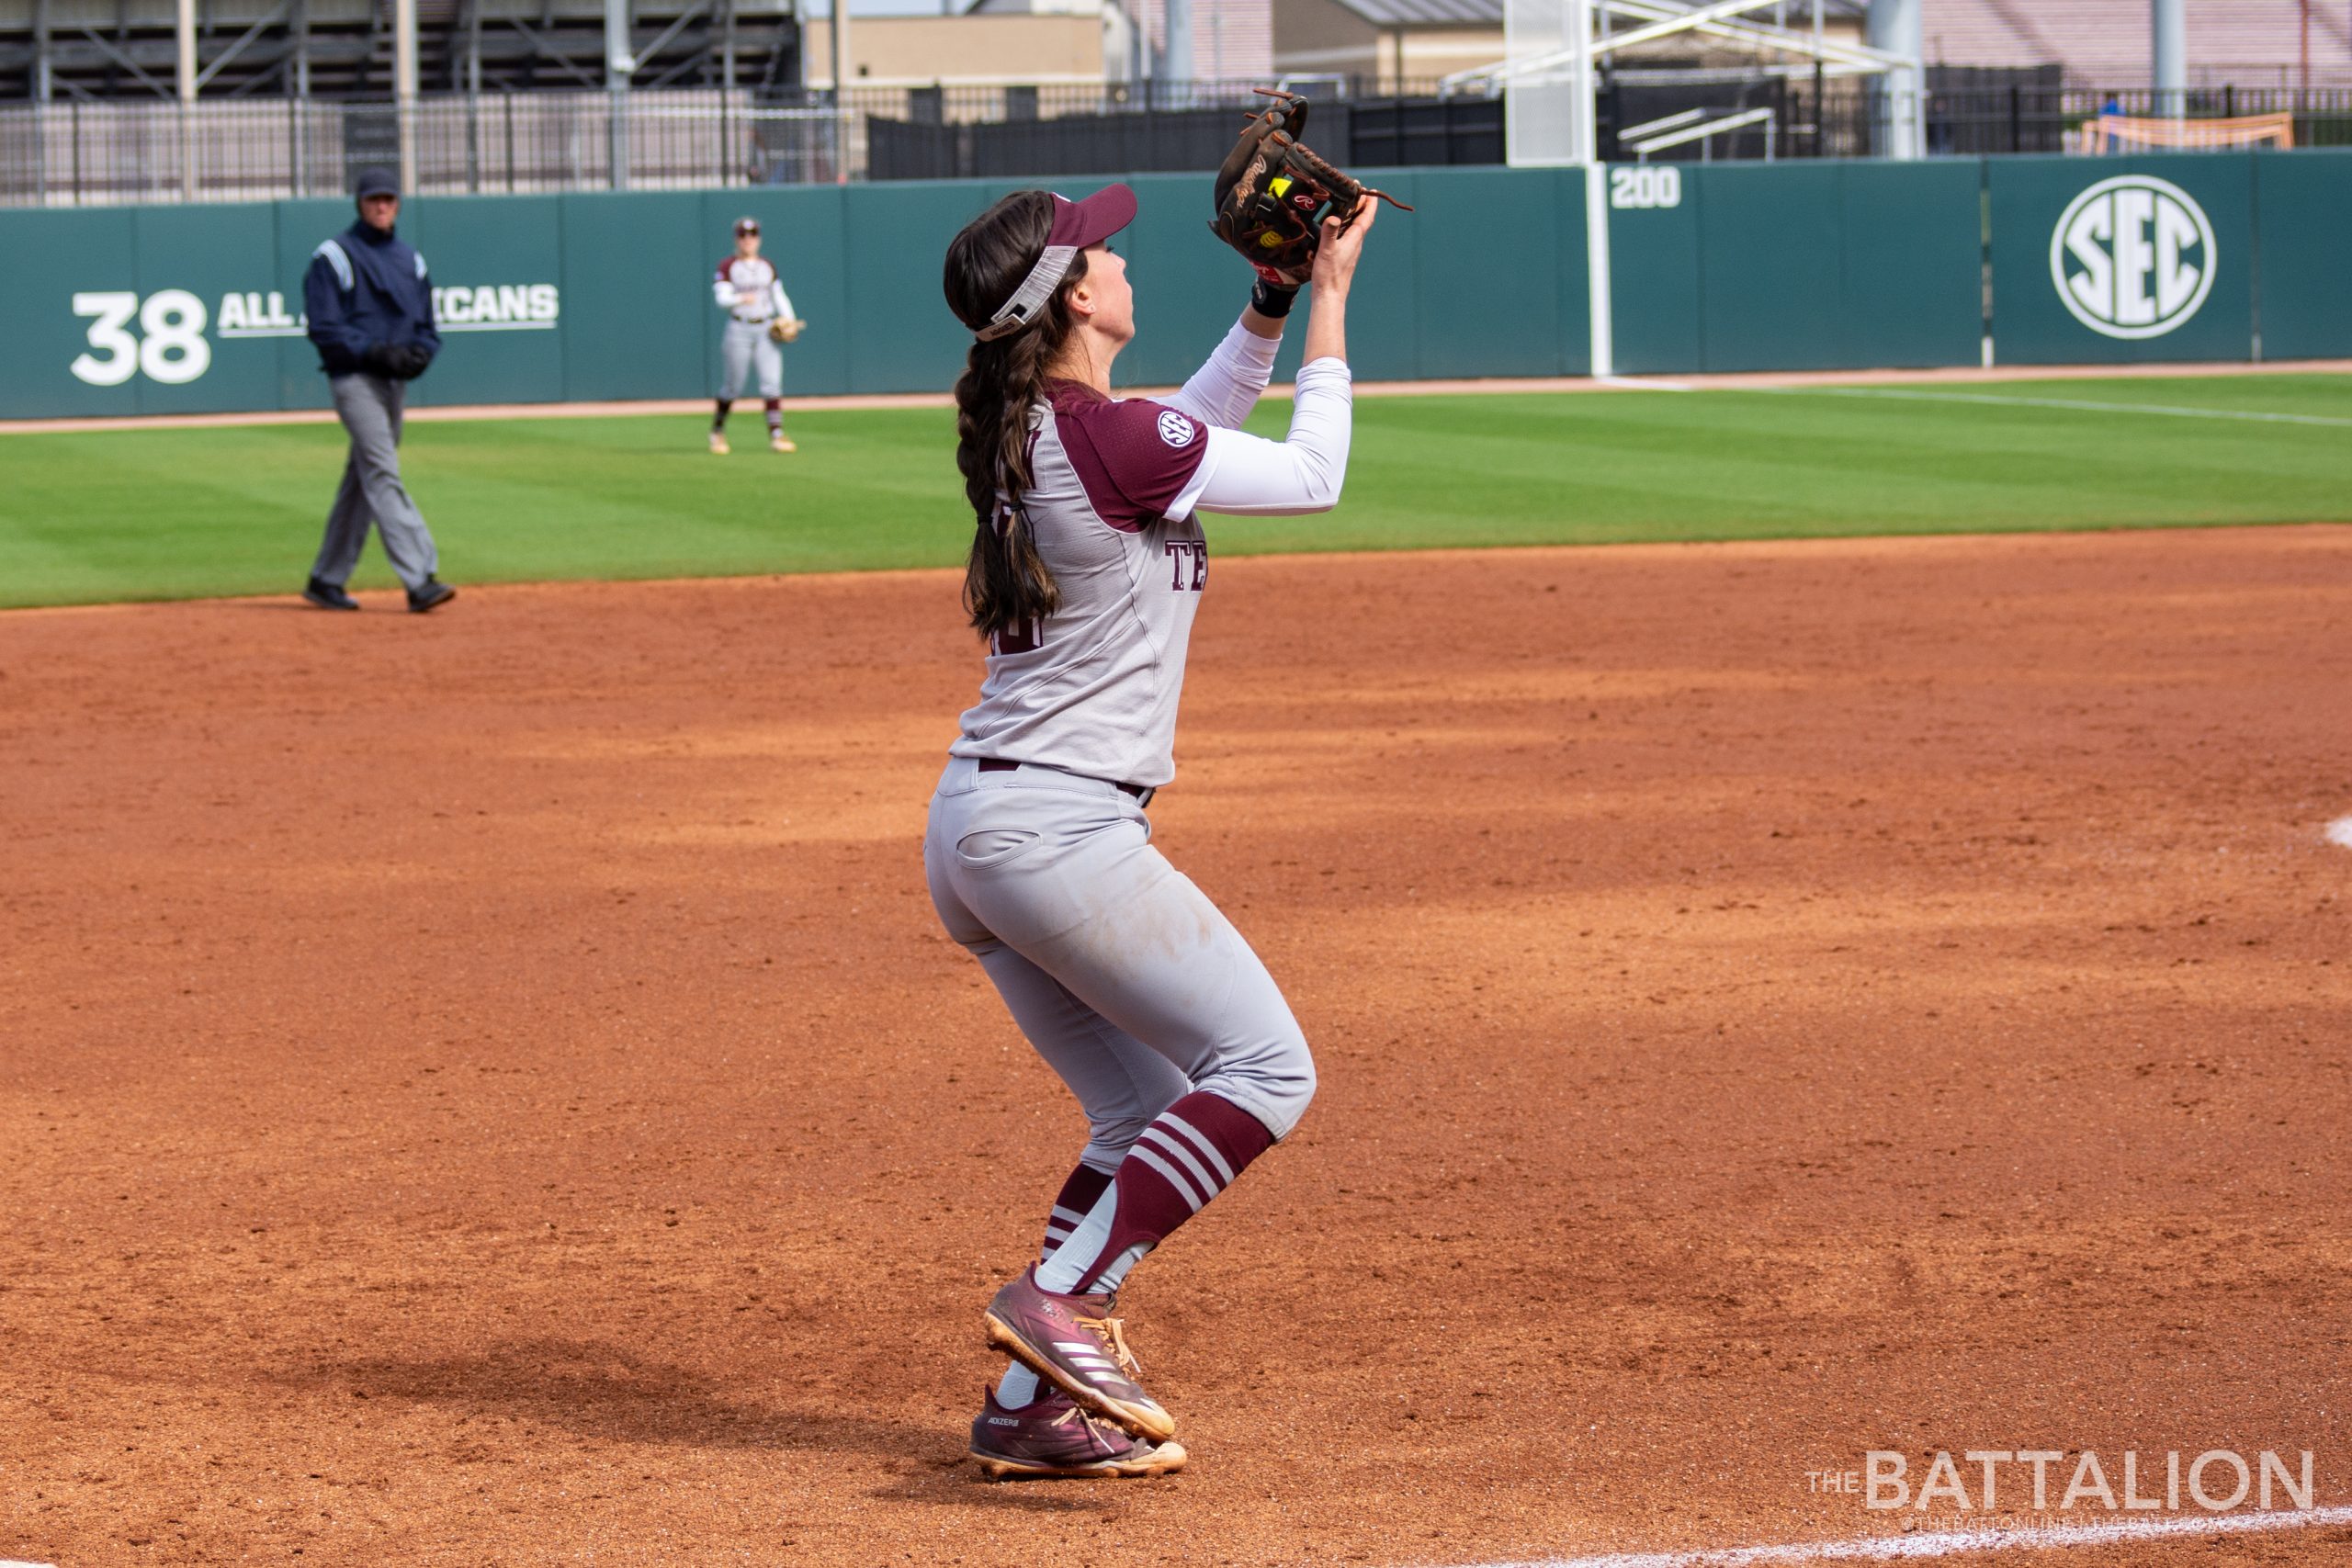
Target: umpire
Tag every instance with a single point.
(371, 306)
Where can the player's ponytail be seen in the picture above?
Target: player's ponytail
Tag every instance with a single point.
(1006, 583)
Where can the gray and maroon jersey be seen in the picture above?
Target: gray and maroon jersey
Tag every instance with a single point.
(1092, 688)
(748, 288)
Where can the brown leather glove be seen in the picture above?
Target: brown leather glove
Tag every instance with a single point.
(1274, 191)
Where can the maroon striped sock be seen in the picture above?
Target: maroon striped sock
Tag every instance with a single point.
(1084, 1187)
(1078, 1195)
(1190, 1152)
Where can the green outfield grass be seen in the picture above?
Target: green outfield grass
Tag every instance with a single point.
(171, 513)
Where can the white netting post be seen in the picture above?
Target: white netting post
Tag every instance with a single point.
(1548, 88)
(1549, 121)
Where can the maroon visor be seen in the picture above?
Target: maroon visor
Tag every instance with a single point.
(1077, 225)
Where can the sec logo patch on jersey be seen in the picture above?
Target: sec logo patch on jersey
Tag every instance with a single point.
(1176, 430)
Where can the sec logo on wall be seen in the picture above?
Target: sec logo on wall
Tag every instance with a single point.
(2132, 257)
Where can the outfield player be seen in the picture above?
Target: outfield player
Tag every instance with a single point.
(370, 307)
(759, 322)
(1087, 565)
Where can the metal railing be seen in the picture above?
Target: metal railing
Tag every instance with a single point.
(2024, 118)
(78, 154)
(1854, 119)
(1693, 126)
(97, 153)
(2043, 119)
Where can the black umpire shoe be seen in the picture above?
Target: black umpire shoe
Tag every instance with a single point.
(432, 596)
(328, 595)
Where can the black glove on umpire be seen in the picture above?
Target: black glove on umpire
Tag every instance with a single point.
(414, 360)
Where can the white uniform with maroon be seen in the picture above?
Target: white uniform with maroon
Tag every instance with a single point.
(1130, 983)
(748, 290)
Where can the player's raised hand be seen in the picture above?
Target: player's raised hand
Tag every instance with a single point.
(1341, 244)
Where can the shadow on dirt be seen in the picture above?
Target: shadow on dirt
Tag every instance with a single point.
(602, 1391)
(959, 1484)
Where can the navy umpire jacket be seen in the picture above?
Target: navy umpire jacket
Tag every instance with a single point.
(365, 288)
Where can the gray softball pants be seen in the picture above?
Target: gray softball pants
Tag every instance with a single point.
(745, 347)
(370, 407)
(1127, 980)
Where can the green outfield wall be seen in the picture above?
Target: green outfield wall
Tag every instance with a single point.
(1804, 265)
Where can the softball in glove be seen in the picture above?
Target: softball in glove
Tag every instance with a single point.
(1274, 191)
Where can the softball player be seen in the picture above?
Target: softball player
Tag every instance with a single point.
(1086, 569)
(759, 322)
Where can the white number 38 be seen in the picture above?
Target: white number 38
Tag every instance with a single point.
(175, 351)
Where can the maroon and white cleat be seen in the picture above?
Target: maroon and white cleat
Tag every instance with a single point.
(1052, 1437)
(1074, 1343)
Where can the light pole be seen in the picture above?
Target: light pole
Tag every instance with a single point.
(2168, 47)
(404, 87)
(619, 65)
(186, 25)
(840, 41)
(1895, 26)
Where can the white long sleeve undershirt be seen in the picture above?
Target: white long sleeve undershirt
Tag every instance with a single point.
(733, 299)
(1225, 388)
(1249, 476)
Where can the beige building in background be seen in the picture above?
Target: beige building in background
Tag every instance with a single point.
(973, 50)
(1232, 41)
(1382, 44)
(1387, 41)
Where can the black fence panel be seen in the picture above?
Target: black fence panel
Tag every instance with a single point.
(1627, 109)
(1419, 131)
(1142, 142)
(1362, 133)
(1978, 108)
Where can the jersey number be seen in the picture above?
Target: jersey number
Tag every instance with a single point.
(1189, 564)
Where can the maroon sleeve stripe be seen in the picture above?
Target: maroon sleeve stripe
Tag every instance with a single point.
(1134, 457)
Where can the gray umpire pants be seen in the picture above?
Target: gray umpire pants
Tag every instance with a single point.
(370, 406)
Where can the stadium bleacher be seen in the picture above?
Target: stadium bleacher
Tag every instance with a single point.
(2102, 44)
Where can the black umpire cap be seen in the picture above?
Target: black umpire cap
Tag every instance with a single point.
(377, 181)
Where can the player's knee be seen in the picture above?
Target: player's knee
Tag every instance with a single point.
(1107, 1146)
(1112, 1127)
(1296, 1082)
(1108, 1138)
(1276, 1082)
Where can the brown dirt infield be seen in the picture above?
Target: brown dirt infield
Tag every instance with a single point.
(488, 1088)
